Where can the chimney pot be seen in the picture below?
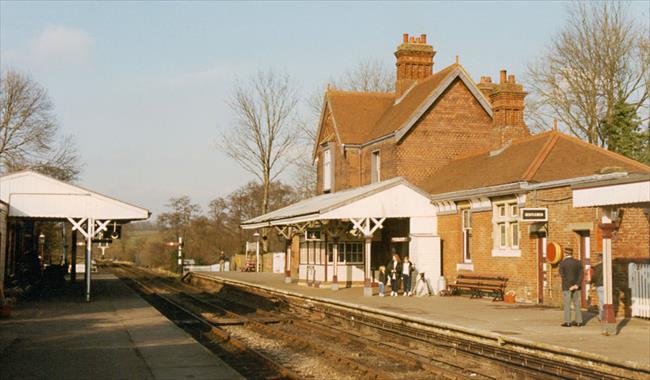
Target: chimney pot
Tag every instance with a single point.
(502, 79)
(511, 79)
(412, 40)
(424, 38)
(405, 38)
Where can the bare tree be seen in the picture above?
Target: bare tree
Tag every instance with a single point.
(28, 130)
(369, 75)
(179, 218)
(262, 138)
(598, 60)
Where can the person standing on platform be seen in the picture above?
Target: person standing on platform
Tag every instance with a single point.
(394, 272)
(382, 278)
(407, 269)
(222, 261)
(571, 273)
(597, 281)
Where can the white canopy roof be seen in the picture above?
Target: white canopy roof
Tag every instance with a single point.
(34, 195)
(634, 188)
(393, 198)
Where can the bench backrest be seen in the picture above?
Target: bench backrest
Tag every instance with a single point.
(470, 279)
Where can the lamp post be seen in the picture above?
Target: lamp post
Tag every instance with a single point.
(256, 235)
(41, 243)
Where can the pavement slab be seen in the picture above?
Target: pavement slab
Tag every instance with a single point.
(117, 335)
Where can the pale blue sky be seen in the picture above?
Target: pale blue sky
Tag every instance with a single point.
(142, 86)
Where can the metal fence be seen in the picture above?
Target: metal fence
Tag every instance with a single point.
(639, 283)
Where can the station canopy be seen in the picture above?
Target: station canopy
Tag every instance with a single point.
(392, 198)
(34, 195)
(630, 189)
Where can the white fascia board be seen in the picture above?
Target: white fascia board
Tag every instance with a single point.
(490, 191)
(638, 192)
(282, 222)
(31, 194)
(59, 206)
(399, 201)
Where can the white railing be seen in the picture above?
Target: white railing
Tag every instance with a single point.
(639, 283)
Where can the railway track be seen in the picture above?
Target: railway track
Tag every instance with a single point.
(345, 354)
(250, 363)
(492, 356)
(345, 342)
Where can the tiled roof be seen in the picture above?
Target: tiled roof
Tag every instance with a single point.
(356, 113)
(398, 114)
(544, 157)
(361, 117)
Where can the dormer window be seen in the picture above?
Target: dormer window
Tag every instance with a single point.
(375, 166)
(327, 170)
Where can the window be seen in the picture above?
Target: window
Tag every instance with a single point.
(506, 224)
(303, 252)
(327, 170)
(467, 235)
(349, 252)
(375, 166)
(330, 252)
(514, 235)
(354, 252)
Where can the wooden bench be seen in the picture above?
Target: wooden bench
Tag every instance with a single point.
(478, 285)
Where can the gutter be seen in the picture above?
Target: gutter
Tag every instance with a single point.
(518, 187)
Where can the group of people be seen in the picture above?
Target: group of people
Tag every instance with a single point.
(572, 277)
(396, 272)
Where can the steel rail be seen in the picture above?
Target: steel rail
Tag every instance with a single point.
(510, 353)
(224, 336)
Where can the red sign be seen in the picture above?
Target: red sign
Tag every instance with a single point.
(553, 252)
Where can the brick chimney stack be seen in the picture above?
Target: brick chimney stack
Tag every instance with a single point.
(414, 61)
(507, 100)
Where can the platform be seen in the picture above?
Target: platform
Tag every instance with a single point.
(117, 335)
(533, 323)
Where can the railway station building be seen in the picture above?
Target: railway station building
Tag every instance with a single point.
(30, 202)
(465, 148)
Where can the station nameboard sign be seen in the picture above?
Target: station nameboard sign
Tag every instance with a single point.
(534, 214)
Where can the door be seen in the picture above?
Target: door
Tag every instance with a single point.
(584, 260)
(541, 266)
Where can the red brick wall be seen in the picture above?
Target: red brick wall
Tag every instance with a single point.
(631, 244)
(520, 271)
(455, 125)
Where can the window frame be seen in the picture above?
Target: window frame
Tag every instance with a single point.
(375, 166)
(506, 228)
(327, 169)
(466, 221)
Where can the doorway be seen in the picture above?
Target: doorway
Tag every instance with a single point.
(584, 245)
(541, 266)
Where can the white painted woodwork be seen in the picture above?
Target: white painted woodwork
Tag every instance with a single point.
(33, 195)
(638, 192)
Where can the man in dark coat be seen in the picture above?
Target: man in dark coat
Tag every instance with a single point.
(597, 280)
(571, 272)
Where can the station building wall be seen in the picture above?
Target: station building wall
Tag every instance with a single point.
(566, 226)
(4, 211)
(455, 125)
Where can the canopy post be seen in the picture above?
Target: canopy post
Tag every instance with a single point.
(367, 227)
(89, 249)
